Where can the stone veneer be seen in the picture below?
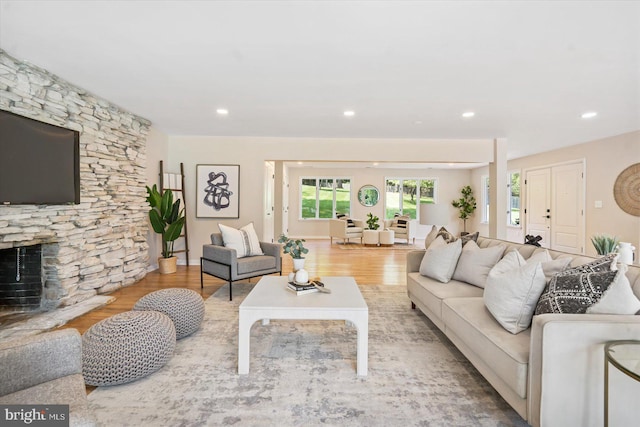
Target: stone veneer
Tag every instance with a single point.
(100, 244)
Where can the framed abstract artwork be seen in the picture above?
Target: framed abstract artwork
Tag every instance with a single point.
(217, 191)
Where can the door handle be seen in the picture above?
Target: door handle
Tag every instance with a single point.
(546, 216)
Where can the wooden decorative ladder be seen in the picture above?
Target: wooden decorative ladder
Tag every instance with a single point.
(169, 181)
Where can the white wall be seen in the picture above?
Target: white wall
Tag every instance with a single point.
(251, 153)
(605, 160)
(157, 149)
(448, 188)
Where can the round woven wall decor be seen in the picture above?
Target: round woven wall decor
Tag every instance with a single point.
(627, 190)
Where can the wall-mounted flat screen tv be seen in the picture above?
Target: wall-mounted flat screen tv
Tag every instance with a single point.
(39, 162)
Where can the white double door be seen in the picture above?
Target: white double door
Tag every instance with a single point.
(555, 206)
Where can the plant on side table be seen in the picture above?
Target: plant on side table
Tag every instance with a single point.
(372, 221)
(466, 205)
(167, 219)
(604, 244)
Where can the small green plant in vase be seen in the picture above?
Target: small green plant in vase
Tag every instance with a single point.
(295, 248)
(604, 244)
(372, 221)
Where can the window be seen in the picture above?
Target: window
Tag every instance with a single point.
(514, 199)
(485, 198)
(404, 195)
(322, 198)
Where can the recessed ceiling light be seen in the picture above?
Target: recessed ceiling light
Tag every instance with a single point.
(376, 164)
(417, 122)
(349, 113)
(589, 115)
(299, 163)
(222, 111)
(468, 114)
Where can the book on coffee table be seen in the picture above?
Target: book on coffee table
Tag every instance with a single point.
(303, 291)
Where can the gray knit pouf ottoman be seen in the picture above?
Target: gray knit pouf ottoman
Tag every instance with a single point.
(127, 346)
(184, 306)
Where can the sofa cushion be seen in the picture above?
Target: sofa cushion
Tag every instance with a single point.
(474, 263)
(440, 260)
(431, 292)
(245, 240)
(508, 354)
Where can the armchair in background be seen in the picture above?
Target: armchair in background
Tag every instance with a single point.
(342, 229)
(401, 226)
(223, 263)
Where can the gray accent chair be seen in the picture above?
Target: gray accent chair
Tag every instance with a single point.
(223, 263)
(45, 369)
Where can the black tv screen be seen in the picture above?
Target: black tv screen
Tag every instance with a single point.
(39, 162)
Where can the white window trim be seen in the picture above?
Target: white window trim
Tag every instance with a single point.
(333, 208)
(509, 173)
(435, 191)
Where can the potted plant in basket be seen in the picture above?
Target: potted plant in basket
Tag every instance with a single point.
(167, 219)
(295, 248)
(466, 205)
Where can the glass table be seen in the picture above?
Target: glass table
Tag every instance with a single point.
(625, 356)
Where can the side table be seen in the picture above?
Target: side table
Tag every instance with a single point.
(370, 237)
(625, 356)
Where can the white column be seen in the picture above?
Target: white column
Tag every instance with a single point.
(498, 190)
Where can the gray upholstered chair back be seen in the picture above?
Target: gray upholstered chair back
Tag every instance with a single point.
(216, 239)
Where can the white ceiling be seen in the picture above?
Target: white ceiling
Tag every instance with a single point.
(290, 69)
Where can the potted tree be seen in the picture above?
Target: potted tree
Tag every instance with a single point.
(295, 248)
(466, 205)
(167, 219)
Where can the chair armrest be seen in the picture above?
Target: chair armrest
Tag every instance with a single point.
(414, 259)
(359, 223)
(271, 249)
(387, 223)
(337, 228)
(37, 359)
(220, 254)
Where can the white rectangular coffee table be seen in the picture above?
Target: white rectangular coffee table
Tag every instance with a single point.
(270, 299)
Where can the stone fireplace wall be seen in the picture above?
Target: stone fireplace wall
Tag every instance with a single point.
(99, 245)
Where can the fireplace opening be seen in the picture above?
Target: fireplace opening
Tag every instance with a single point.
(21, 285)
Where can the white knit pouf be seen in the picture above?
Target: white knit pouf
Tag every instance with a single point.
(127, 346)
(184, 306)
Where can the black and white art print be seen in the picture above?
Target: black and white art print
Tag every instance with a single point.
(218, 191)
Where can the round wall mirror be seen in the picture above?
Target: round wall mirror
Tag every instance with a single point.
(368, 195)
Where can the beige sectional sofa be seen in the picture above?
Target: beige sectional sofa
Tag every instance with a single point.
(552, 374)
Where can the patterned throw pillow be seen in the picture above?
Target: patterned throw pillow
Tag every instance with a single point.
(448, 237)
(590, 288)
(350, 223)
(469, 237)
(574, 293)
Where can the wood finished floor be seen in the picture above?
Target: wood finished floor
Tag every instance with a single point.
(368, 266)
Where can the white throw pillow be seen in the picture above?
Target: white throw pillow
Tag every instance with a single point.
(431, 237)
(511, 296)
(475, 263)
(618, 298)
(245, 240)
(440, 259)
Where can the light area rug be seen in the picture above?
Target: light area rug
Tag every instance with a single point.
(302, 373)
